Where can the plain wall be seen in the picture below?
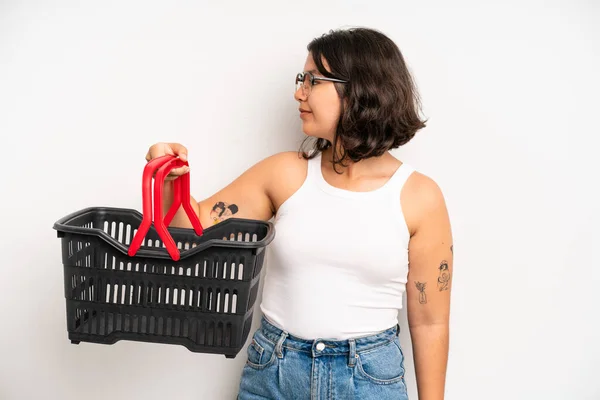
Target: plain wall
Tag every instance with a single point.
(510, 90)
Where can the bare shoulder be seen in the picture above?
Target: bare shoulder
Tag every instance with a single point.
(285, 159)
(421, 198)
(288, 172)
(280, 164)
(257, 192)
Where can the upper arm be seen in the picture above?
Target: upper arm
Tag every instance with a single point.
(248, 196)
(430, 252)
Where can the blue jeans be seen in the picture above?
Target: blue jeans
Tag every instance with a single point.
(281, 366)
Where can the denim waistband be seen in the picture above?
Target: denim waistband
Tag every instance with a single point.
(358, 344)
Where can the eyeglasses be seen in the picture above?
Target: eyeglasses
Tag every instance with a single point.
(306, 81)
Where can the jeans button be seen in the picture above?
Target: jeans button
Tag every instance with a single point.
(320, 346)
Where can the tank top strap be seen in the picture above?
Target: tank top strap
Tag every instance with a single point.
(396, 182)
(401, 175)
(314, 168)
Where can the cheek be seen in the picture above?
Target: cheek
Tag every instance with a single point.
(326, 113)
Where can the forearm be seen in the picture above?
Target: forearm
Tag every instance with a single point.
(430, 353)
(180, 220)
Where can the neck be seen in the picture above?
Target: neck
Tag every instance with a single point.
(354, 169)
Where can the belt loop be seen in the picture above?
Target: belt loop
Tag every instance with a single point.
(352, 354)
(279, 345)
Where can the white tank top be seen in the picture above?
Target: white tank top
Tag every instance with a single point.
(338, 265)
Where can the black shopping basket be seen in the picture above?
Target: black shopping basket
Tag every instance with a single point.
(128, 278)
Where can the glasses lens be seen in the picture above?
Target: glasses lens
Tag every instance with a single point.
(307, 83)
(303, 80)
(299, 79)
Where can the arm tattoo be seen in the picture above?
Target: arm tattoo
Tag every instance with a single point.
(421, 288)
(444, 277)
(222, 211)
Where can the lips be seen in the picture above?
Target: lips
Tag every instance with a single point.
(303, 110)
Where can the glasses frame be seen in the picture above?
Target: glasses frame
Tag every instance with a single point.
(300, 81)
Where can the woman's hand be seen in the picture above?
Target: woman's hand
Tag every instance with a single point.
(172, 149)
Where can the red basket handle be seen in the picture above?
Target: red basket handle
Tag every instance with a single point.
(163, 165)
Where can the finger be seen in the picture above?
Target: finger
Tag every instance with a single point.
(179, 150)
(168, 149)
(156, 151)
(174, 173)
(179, 171)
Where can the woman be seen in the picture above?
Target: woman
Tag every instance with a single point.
(350, 218)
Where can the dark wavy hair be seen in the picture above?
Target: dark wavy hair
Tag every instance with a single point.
(382, 105)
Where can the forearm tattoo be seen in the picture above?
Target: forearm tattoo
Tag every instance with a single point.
(421, 288)
(222, 211)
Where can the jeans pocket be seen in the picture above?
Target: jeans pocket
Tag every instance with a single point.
(382, 365)
(261, 351)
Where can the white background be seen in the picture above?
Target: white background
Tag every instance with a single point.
(510, 89)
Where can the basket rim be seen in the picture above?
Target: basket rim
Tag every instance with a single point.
(62, 226)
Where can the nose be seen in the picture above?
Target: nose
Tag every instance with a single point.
(299, 95)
